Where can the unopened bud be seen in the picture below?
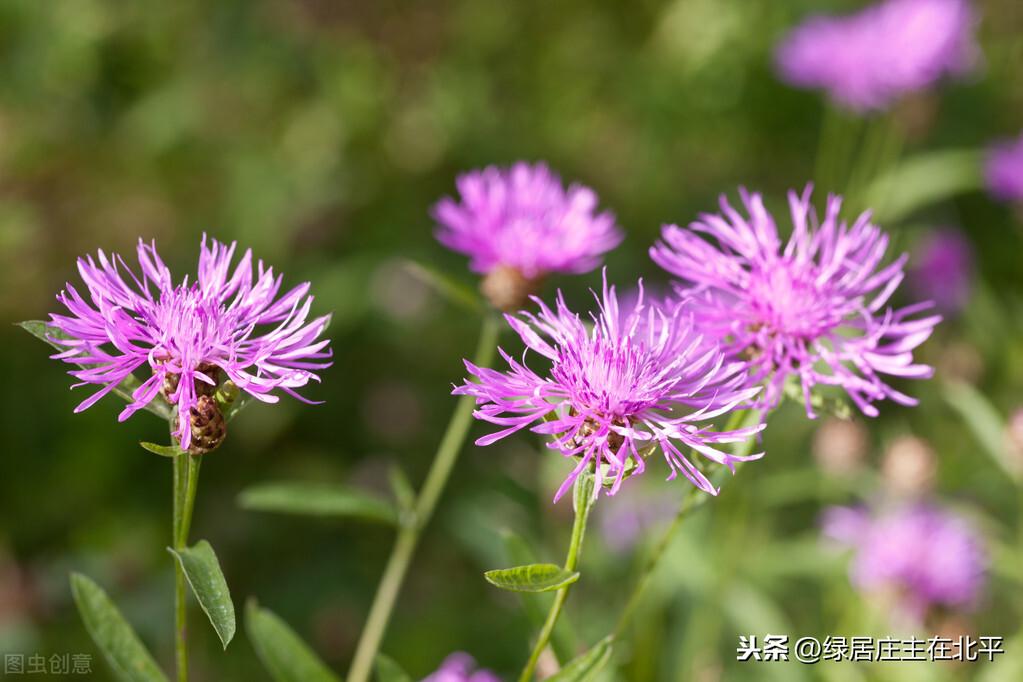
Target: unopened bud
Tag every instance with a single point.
(839, 446)
(909, 467)
(507, 289)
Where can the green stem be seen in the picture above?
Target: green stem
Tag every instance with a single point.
(426, 502)
(186, 482)
(694, 498)
(582, 498)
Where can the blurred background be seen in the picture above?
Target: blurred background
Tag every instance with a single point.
(319, 134)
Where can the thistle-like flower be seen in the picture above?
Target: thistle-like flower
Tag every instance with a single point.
(814, 308)
(637, 381)
(921, 555)
(1004, 170)
(867, 60)
(519, 224)
(189, 336)
(460, 667)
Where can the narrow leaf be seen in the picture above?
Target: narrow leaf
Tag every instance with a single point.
(924, 180)
(285, 656)
(586, 665)
(388, 670)
(46, 333)
(455, 292)
(402, 489)
(317, 499)
(531, 578)
(162, 450)
(199, 562)
(984, 421)
(121, 647)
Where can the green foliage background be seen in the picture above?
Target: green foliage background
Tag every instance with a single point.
(319, 133)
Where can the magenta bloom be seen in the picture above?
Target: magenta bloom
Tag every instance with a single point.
(460, 667)
(867, 60)
(642, 378)
(943, 269)
(814, 308)
(928, 556)
(523, 218)
(1004, 170)
(185, 335)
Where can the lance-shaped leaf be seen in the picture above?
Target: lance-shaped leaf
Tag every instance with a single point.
(388, 670)
(286, 657)
(202, 570)
(586, 665)
(121, 647)
(456, 292)
(162, 450)
(984, 420)
(46, 333)
(317, 499)
(531, 578)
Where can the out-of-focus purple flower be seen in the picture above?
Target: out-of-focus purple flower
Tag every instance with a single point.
(929, 556)
(943, 269)
(1004, 170)
(867, 60)
(186, 335)
(460, 667)
(632, 515)
(641, 378)
(519, 224)
(813, 308)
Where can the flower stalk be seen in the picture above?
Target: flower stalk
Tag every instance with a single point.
(186, 482)
(582, 503)
(425, 503)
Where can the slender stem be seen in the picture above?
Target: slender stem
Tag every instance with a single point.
(426, 502)
(694, 498)
(583, 501)
(186, 482)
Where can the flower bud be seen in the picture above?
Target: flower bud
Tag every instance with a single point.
(507, 289)
(909, 467)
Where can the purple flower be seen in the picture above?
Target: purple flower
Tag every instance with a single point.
(1004, 170)
(867, 60)
(187, 334)
(640, 380)
(929, 556)
(943, 270)
(520, 224)
(460, 667)
(813, 308)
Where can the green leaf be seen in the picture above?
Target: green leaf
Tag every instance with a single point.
(317, 499)
(586, 665)
(455, 292)
(121, 647)
(388, 670)
(46, 333)
(285, 656)
(984, 420)
(199, 562)
(162, 450)
(402, 489)
(531, 578)
(923, 180)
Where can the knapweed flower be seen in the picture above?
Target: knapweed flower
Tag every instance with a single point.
(188, 336)
(461, 667)
(814, 308)
(942, 270)
(1004, 170)
(923, 555)
(638, 379)
(519, 224)
(867, 60)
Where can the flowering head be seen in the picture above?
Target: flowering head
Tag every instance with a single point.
(639, 380)
(1004, 170)
(922, 555)
(460, 667)
(519, 224)
(867, 60)
(813, 308)
(189, 336)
